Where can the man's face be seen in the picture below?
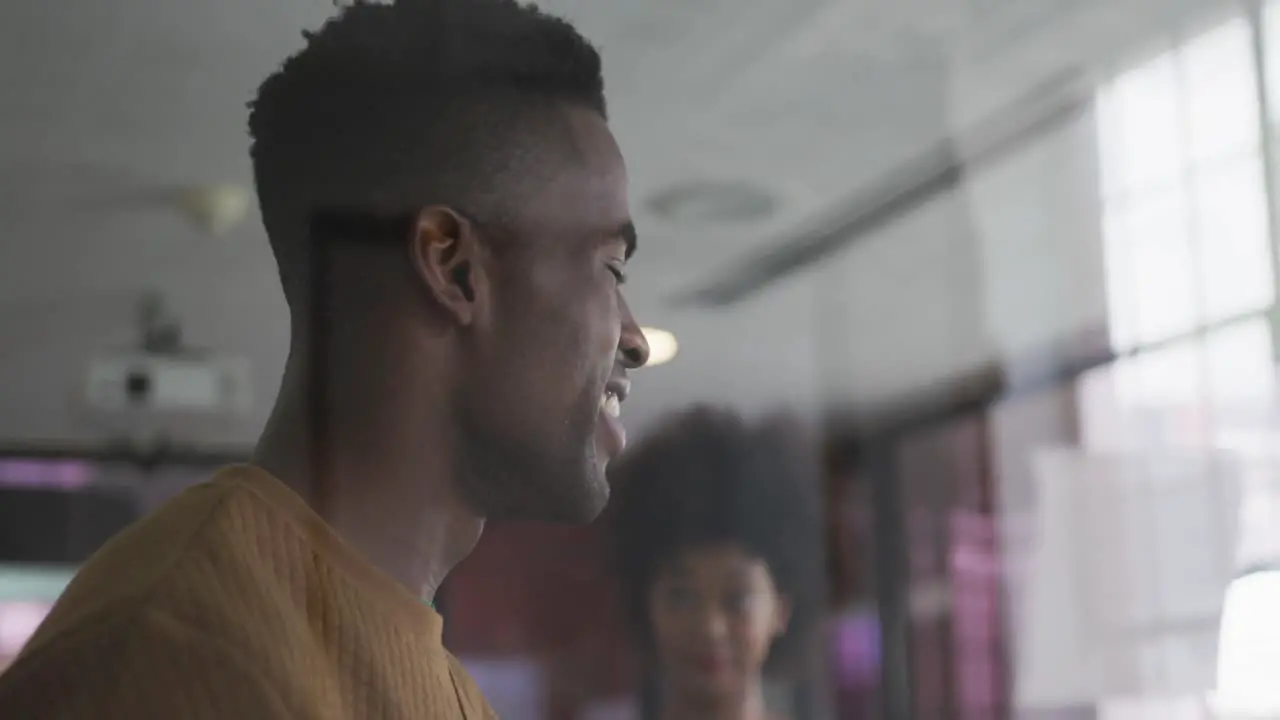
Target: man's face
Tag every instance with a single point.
(543, 387)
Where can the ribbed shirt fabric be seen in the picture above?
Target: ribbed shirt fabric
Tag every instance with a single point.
(235, 600)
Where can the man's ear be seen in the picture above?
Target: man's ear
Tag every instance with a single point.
(449, 259)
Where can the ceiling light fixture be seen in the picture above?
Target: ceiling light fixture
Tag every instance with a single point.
(662, 346)
(215, 209)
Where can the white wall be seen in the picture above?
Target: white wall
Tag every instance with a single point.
(1007, 265)
(1036, 216)
(902, 308)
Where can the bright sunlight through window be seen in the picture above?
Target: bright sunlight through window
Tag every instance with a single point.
(1249, 649)
(1184, 213)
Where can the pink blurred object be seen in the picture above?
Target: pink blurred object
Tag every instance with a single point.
(18, 622)
(57, 474)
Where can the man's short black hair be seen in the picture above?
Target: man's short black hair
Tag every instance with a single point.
(705, 477)
(391, 107)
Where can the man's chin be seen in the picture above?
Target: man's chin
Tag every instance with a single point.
(565, 501)
(587, 503)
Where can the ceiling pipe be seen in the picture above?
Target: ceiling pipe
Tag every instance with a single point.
(935, 172)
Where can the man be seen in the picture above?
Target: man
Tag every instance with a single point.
(448, 211)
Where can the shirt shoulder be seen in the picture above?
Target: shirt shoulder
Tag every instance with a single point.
(142, 665)
(125, 572)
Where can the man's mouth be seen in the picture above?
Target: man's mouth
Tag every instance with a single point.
(615, 436)
(615, 391)
(611, 404)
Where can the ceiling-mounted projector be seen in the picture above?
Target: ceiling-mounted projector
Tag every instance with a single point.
(165, 377)
(169, 384)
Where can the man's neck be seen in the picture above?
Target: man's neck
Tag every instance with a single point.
(391, 501)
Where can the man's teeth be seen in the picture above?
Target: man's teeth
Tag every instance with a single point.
(611, 404)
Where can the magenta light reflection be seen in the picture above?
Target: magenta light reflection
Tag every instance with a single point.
(51, 474)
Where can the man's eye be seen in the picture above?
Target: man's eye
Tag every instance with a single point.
(618, 274)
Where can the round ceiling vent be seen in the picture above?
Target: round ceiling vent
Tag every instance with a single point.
(708, 202)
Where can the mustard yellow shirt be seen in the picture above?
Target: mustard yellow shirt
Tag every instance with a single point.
(235, 600)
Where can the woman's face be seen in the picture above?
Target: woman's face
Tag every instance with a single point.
(715, 612)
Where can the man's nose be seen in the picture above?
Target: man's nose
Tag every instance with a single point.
(633, 348)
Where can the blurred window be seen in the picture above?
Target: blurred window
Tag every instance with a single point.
(1184, 202)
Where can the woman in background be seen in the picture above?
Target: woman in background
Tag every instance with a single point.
(719, 548)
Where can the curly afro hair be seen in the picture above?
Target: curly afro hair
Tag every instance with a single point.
(390, 107)
(707, 477)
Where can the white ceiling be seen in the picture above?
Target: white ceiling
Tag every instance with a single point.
(810, 99)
